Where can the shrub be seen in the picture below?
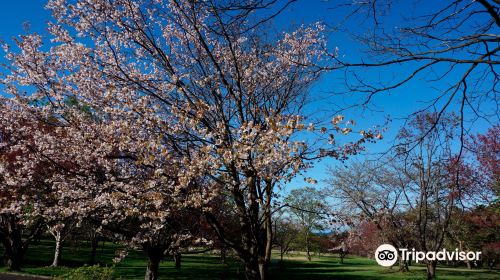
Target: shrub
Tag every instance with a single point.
(95, 272)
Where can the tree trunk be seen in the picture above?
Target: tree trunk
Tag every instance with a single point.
(177, 260)
(256, 264)
(13, 263)
(13, 250)
(152, 269)
(460, 247)
(57, 251)
(94, 243)
(308, 250)
(223, 255)
(263, 265)
(155, 255)
(469, 265)
(268, 245)
(252, 271)
(431, 269)
(254, 247)
(14, 245)
(403, 265)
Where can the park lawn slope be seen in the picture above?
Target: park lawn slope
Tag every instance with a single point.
(208, 266)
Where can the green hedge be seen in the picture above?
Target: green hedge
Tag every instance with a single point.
(95, 272)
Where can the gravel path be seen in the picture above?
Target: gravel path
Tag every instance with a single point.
(12, 276)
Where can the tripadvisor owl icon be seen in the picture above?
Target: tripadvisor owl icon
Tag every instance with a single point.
(386, 255)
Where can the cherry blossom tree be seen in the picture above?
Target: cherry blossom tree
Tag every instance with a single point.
(364, 238)
(484, 148)
(60, 230)
(163, 106)
(128, 186)
(475, 222)
(22, 186)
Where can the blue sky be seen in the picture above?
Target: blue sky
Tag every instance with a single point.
(14, 13)
(397, 104)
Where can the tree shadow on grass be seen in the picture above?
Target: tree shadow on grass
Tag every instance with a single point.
(469, 274)
(208, 266)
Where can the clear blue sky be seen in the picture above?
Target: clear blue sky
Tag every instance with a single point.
(401, 102)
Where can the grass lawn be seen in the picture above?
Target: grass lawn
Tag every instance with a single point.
(207, 266)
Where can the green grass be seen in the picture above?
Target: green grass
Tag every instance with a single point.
(208, 266)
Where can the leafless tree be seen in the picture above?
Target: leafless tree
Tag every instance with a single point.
(452, 46)
(374, 193)
(434, 186)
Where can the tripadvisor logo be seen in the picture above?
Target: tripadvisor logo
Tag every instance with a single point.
(387, 255)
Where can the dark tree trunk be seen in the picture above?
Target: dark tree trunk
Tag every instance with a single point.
(155, 255)
(403, 265)
(152, 269)
(14, 246)
(254, 247)
(13, 263)
(257, 240)
(491, 263)
(13, 258)
(223, 255)
(94, 243)
(252, 270)
(177, 260)
(256, 260)
(431, 269)
(263, 268)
